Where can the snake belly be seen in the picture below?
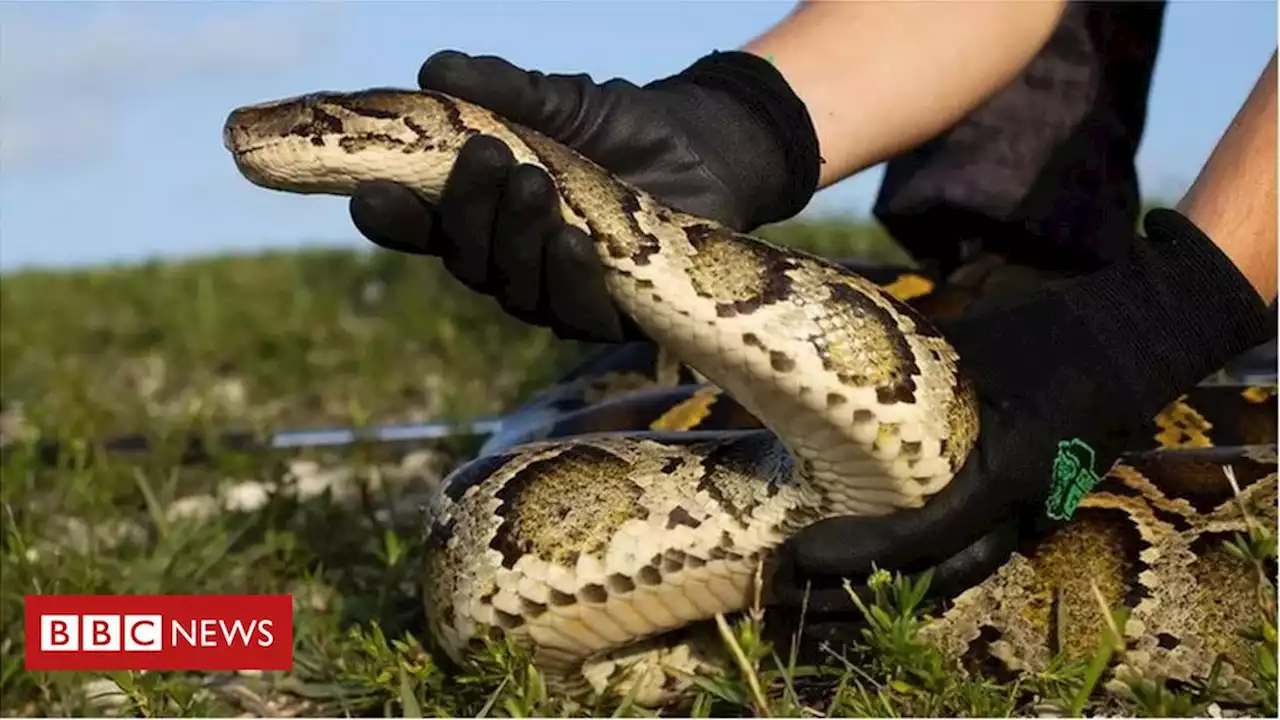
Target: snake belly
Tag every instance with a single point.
(591, 551)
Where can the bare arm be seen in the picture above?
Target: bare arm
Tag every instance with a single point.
(881, 77)
(1233, 200)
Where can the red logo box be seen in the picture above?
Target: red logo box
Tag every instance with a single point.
(159, 632)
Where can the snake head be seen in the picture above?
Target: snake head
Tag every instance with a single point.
(327, 142)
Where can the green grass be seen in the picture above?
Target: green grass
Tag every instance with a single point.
(336, 337)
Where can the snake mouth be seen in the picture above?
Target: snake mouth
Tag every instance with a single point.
(252, 127)
(234, 139)
(237, 138)
(249, 160)
(241, 153)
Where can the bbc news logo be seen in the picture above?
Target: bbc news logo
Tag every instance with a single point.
(159, 632)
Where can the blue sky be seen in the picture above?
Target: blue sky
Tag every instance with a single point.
(110, 113)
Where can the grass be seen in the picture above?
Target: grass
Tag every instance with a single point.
(337, 337)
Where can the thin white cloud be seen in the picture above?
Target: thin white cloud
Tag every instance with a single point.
(64, 76)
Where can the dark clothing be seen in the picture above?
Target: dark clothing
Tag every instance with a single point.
(1043, 173)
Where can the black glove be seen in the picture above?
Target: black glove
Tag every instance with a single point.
(1066, 379)
(725, 139)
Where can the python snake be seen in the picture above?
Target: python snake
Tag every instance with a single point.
(598, 551)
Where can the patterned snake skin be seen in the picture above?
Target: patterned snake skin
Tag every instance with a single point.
(1150, 535)
(597, 550)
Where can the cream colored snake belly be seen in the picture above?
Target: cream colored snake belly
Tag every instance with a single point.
(582, 549)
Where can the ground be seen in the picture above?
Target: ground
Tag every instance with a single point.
(325, 338)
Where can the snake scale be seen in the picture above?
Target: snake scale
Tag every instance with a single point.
(606, 553)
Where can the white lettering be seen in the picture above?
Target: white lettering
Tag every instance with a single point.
(209, 633)
(188, 635)
(212, 633)
(59, 632)
(100, 632)
(264, 629)
(142, 633)
(238, 628)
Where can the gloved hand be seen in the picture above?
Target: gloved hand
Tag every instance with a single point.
(725, 139)
(1065, 378)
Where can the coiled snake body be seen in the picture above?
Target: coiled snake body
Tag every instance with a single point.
(591, 549)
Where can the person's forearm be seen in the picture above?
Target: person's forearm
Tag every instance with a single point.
(879, 78)
(1233, 200)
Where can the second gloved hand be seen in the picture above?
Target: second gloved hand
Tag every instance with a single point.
(725, 139)
(1064, 378)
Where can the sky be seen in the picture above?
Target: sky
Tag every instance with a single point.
(111, 112)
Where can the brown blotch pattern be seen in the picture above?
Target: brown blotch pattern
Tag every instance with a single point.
(723, 468)
(357, 143)
(649, 575)
(780, 362)
(1100, 545)
(673, 561)
(532, 608)
(384, 104)
(861, 344)
(425, 140)
(507, 621)
(680, 516)
(962, 419)
(572, 503)
(620, 584)
(1224, 592)
(593, 593)
(739, 277)
(318, 124)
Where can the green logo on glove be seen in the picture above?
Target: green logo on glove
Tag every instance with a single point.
(1073, 477)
